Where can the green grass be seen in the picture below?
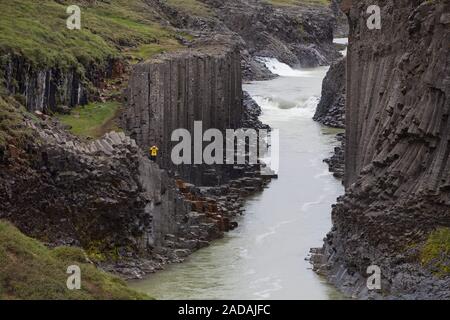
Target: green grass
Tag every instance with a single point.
(37, 30)
(92, 120)
(298, 2)
(29, 270)
(149, 50)
(192, 7)
(436, 252)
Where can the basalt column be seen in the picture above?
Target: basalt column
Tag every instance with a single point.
(398, 149)
(174, 90)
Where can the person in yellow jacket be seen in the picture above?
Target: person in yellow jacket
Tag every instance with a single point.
(153, 153)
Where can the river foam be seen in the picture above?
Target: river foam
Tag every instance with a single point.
(275, 106)
(281, 69)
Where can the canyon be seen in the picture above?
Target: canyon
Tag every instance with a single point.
(152, 216)
(133, 216)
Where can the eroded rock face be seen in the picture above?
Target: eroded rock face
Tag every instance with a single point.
(341, 24)
(397, 154)
(336, 163)
(298, 35)
(102, 194)
(252, 112)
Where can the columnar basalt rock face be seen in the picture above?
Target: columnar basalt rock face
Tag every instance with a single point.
(42, 89)
(331, 108)
(398, 149)
(175, 90)
(331, 112)
(48, 89)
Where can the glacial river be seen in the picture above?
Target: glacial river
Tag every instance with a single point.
(265, 257)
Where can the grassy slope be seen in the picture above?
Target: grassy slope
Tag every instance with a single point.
(29, 270)
(37, 30)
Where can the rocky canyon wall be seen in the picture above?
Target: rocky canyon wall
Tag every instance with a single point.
(299, 34)
(397, 171)
(101, 195)
(331, 112)
(331, 108)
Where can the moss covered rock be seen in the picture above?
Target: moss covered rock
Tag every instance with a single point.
(436, 252)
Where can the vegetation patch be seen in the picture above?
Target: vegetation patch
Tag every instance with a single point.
(193, 7)
(93, 120)
(29, 270)
(436, 252)
(299, 2)
(147, 51)
(12, 117)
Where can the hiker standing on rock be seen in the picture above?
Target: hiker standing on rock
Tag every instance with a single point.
(153, 153)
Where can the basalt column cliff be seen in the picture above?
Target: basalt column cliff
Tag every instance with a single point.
(175, 90)
(396, 211)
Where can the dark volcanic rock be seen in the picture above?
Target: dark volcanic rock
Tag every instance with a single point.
(341, 27)
(254, 70)
(173, 91)
(299, 35)
(98, 195)
(46, 89)
(397, 153)
(331, 108)
(331, 112)
(252, 111)
(336, 162)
